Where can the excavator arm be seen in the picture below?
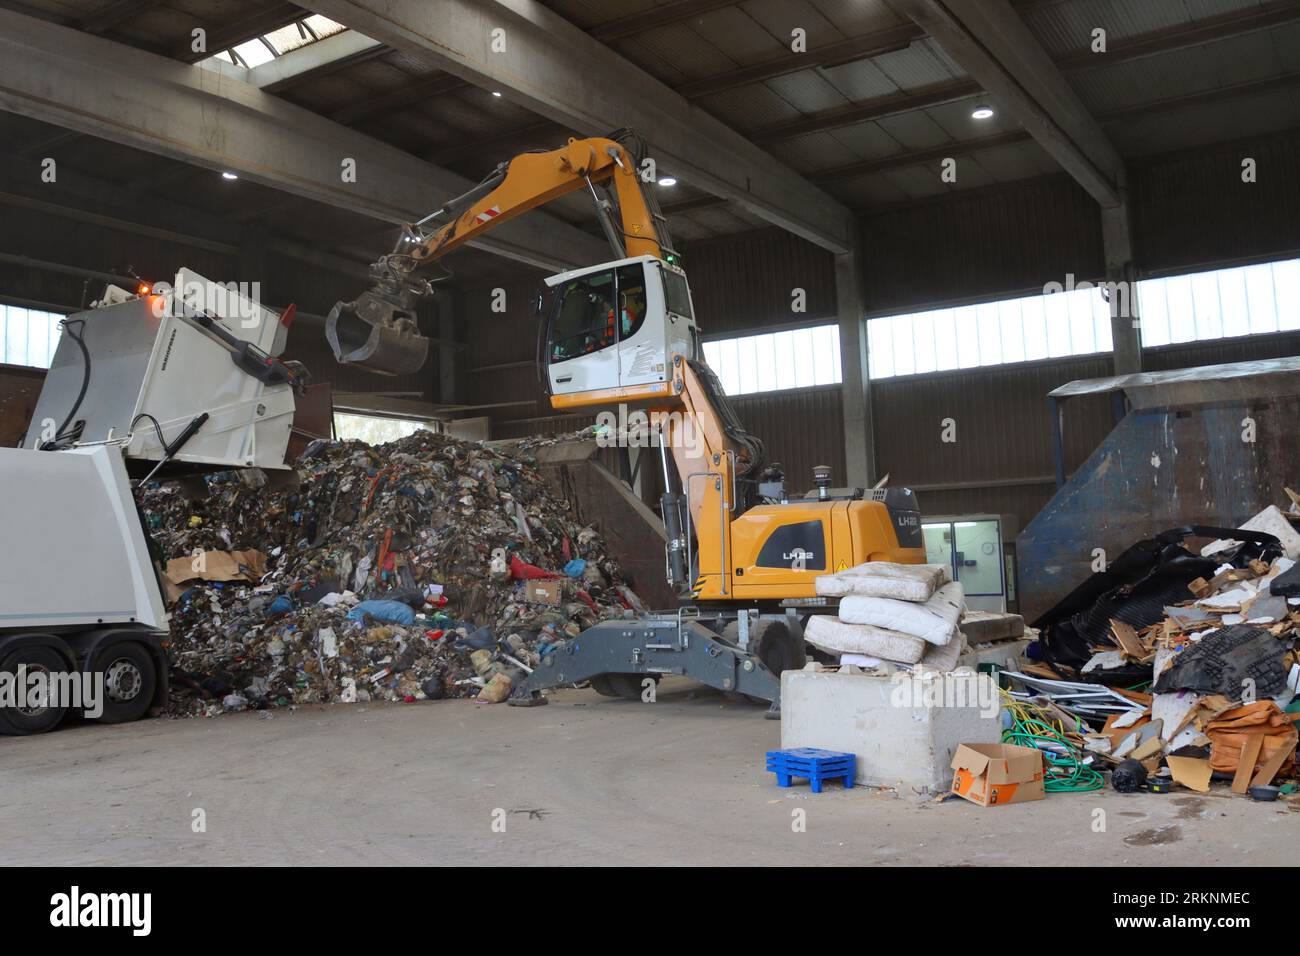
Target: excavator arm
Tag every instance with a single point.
(378, 330)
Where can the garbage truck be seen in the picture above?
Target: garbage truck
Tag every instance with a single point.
(162, 380)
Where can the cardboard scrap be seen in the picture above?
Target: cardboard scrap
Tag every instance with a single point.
(247, 565)
(1192, 772)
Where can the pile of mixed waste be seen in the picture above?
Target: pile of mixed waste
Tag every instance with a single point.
(1182, 667)
(428, 567)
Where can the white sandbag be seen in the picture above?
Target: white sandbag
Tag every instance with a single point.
(833, 635)
(942, 658)
(934, 622)
(902, 582)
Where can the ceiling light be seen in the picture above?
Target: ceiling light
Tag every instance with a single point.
(496, 92)
(229, 175)
(982, 112)
(668, 181)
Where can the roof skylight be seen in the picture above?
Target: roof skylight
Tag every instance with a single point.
(263, 49)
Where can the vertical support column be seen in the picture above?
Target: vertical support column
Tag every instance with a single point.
(448, 358)
(859, 435)
(1117, 241)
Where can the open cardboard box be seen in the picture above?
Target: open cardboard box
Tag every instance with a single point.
(548, 591)
(994, 774)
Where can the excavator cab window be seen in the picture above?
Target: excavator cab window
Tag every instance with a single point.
(631, 300)
(585, 318)
(677, 295)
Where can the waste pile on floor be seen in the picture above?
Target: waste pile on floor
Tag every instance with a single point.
(1182, 668)
(424, 568)
(891, 614)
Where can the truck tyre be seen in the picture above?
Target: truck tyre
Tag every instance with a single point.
(21, 721)
(129, 681)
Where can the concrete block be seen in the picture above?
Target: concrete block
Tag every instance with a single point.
(980, 627)
(904, 731)
(997, 653)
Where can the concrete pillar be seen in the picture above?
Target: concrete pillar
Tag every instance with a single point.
(859, 435)
(448, 358)
(1117, 241)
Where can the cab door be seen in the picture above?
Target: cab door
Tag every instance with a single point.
(656, 321)
(582, 333)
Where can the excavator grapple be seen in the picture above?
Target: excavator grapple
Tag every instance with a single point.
(378, 330)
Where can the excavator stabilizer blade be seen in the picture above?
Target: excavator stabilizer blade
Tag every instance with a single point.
(371, 334)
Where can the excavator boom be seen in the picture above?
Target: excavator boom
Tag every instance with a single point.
(378, 331)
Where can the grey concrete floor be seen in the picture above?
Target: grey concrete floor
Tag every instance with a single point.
(584, 780)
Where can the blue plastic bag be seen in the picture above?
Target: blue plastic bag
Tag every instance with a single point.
(390, 612)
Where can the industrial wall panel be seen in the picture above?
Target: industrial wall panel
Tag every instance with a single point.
(1193, 210)
(746, 283)
(1001, 425)
(999, 241)
(1242, 348)
(800, 429)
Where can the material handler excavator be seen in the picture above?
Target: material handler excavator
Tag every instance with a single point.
(741, 553)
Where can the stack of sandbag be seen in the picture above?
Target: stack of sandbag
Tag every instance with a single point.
(904, 613)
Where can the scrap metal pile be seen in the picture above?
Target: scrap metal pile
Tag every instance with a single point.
(1182, 667)
(397, 572)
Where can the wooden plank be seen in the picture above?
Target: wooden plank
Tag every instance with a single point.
(1246, 763)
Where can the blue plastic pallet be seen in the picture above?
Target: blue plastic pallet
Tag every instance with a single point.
(813, 763)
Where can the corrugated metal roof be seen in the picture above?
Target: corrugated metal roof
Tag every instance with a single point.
(916, 130)
(867, 140)
(590, 13)
(921, 64)
(738, 35)
(780, 17)
(860, 80)
(683, 50)
(1067, 27)
(749, 107)
(857, 17)
(813, 152)
(807, 91)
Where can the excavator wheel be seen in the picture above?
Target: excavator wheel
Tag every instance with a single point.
(627, 686)
(771, 641)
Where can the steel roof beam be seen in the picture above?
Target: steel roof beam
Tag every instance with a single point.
(544, 63)
(85, 83)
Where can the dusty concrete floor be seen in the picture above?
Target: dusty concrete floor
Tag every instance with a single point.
(583, 780)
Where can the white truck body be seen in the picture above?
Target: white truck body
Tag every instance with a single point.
(73, 552)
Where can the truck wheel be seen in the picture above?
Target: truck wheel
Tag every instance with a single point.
(21, 721)
(772, 643)
(626, 686)
(129, 681)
